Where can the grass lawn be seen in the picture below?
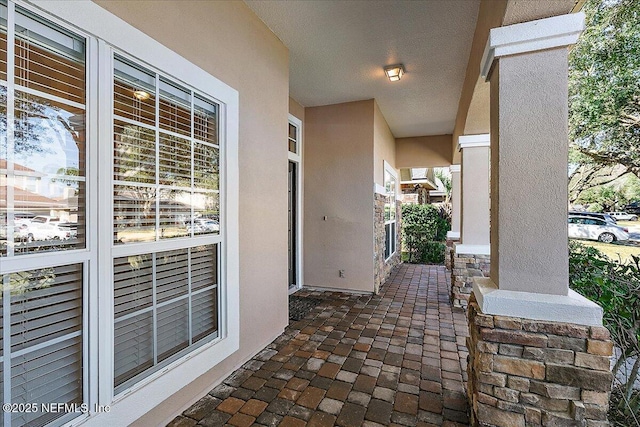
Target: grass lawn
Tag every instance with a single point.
(614, 251)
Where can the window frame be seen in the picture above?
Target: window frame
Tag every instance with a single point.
(96, 25)
(392, 242)
(84, 256)
(297, 158)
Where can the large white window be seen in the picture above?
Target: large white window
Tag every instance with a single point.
(118, 226)
(166, 186)
(390, 184)
(42, 210)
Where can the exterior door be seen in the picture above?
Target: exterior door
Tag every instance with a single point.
(293, 225)
(294, 142)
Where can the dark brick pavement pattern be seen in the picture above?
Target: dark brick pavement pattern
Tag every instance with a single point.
(397, 358)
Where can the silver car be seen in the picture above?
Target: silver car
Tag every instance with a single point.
(585, 227)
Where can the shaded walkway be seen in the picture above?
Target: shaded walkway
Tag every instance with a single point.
(398, 358)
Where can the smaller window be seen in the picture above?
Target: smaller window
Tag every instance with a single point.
(293, 138)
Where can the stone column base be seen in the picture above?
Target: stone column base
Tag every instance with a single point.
(449, 252)
(466, 267)
(534, 373)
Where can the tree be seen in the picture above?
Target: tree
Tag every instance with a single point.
(604, 85)
(446, 182)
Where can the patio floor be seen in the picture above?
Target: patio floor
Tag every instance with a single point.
(398, 358)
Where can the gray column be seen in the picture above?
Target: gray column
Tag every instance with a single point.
(527, 67)
(456, 201)
(474, 235)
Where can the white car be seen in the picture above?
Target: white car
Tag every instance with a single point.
(204, 225)
(623, 216)
(584, 227)
(45, 228)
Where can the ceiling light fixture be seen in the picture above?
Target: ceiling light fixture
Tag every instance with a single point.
(141, 95)
(394, 72)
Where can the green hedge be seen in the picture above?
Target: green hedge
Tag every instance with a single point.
(615, 287)
(424, 227)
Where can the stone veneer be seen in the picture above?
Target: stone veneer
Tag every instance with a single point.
(465, 268)
(535, 373)
(382, 268)
(449, 253)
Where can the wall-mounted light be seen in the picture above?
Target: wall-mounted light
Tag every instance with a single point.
(141, 95)
(394, 72)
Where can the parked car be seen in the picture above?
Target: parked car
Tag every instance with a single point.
(21, 218)
(633, 207)
(44, 227)
(590, 228)
(624, 216)
(70, 227)
(600, 215)
(204, 225)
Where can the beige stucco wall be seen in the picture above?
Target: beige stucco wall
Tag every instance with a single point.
(475, 196)
(423, 151)
(456, 201)
(338, 185)
(529, 145)
(384, 145)
(295, 109)
(490, 15)
(229, 41)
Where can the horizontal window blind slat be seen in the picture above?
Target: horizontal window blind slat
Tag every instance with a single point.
(133, 347)
(204, 317)
(51, 371)
(127, 105)
(173, 329)
(44, 70)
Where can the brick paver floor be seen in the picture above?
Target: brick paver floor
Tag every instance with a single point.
(398, 358)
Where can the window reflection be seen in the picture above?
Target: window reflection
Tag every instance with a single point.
(166, 158)
(44, 187)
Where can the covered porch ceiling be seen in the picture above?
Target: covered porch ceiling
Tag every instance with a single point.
(338, 50)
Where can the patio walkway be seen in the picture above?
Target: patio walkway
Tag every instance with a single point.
(398, 358)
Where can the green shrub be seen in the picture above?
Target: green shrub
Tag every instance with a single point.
(423, 226)
(615, 287)
(421, 218)
(432, 253)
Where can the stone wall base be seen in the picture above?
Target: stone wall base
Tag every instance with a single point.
(449, 253)
(534, 373)
(382, 267)
(465, 268)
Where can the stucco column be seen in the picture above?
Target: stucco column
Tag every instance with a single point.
(527, 67)
(474, 235)
(456, 200)
(529, 334)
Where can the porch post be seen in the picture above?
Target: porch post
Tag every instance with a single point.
(453, 236)
(474, 235)
(471, 257)
(538, 351)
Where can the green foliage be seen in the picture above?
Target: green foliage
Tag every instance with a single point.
(432, 253)
(421, 218)
(595, 207)
(604, 84)
(616, 288)
(443, 224)
(630, 190)
(421, 225)
(446, 181)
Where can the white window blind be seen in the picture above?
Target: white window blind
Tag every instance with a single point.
(42, 209)
(165, 303)
(46, 339)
